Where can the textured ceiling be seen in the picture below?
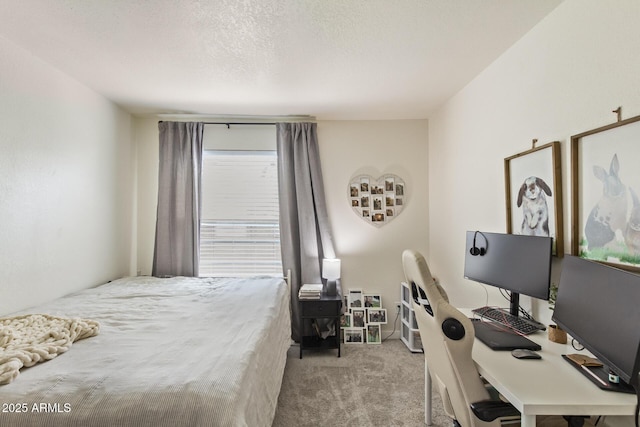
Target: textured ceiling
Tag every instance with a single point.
(332, 59)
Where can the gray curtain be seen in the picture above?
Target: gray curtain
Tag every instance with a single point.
(177, 245)
(305, 235)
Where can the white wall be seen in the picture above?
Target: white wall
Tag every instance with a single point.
(564, 77)
(66, 196)
(370, 256)
(146, 141)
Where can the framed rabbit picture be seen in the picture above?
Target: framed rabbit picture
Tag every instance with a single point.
(533, 186)
(605, 192)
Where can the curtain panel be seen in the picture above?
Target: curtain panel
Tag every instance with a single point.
(177, 243)
(305, 234)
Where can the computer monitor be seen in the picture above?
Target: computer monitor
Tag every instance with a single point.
(598, 306)
(519, 264)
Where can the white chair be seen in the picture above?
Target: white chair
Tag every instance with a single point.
(447, 338)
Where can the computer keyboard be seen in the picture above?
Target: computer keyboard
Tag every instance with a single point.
(518, 324)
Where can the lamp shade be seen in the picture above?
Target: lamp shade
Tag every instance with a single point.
(331, 269)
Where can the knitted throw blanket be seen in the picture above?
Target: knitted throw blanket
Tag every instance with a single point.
(32, 338)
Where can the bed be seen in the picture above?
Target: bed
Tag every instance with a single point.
(170, 352)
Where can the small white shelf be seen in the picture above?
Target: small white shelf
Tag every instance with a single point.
(409, 333)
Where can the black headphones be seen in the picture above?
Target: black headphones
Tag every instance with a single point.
(475, 250)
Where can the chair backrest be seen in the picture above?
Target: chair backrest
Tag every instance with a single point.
(447, 338)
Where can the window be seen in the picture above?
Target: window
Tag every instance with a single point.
(239, 225)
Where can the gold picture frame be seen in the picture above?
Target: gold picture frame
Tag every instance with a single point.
(605, 224)
(533, 190)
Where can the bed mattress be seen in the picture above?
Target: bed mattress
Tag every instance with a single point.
(170, 352)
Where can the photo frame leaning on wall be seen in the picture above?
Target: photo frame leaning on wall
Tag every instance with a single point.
(533, 188)
(605, 220)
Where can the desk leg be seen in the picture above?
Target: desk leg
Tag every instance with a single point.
(528, 421)
(427, 395)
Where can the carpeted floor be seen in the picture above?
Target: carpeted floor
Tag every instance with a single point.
(369, 385)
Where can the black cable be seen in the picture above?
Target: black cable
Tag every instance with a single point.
(395, 322)
(507, 295)
(573, 344)
(525, 314)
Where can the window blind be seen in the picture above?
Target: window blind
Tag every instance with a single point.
(239, 227)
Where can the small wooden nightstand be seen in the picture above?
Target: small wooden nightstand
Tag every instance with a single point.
(327, 307)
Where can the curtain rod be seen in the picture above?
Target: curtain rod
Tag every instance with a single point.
(228, 124)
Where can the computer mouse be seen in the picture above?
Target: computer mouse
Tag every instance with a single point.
(521, 353)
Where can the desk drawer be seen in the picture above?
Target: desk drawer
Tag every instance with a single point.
(320, 309)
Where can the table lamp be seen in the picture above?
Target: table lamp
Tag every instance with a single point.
(331, 272)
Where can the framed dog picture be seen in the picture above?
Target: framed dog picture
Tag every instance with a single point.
(533, 186)
(605, 194)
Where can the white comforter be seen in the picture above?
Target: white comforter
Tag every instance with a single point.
(171, 352)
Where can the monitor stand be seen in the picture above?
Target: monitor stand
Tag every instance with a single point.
(600, 377)
(514, 304)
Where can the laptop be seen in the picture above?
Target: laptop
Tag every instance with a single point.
(497, 338)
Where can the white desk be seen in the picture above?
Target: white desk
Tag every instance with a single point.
(550, 386)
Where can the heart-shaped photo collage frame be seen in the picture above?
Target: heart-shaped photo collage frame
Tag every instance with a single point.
(377, 200)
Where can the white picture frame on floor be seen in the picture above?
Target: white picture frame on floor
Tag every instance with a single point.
(376, 316)
(358, 317)
(374, 334)
(355, 298)
(372, 300)
(346, 321)
(354, 335)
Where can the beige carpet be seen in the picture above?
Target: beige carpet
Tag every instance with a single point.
(370, 385)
